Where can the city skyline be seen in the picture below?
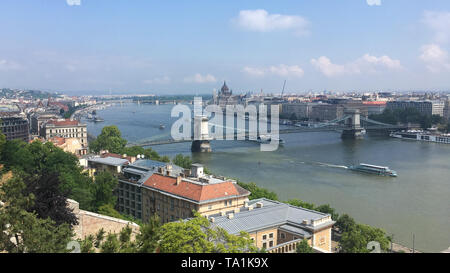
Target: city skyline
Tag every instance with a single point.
(85, 46)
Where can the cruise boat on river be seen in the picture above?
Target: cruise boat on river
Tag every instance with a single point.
(373, 169)
(422, 136)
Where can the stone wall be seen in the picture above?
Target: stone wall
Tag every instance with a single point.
(90, 223)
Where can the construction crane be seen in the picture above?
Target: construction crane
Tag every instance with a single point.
(282, 92)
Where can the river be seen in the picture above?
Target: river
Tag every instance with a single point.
(308, 167)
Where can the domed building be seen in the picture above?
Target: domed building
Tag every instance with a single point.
(225, 97)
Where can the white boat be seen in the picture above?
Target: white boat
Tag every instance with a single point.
(422, 136)
(373, 169)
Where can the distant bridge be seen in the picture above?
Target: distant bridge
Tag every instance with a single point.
(352, 125)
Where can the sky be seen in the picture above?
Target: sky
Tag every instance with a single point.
(190, 47)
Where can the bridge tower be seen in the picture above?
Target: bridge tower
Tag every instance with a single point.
(202, 139)
(353, 124)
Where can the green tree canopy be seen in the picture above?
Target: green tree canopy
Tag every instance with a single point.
(258, 192)
(103, 190)
(24, 232)
(197, 236)
(182, 161)
(303, 247)
(37, 159)
(109, 139)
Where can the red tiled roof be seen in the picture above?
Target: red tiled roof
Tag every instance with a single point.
(66, 122)
(57, 140)
(193, 191)
(374, 102)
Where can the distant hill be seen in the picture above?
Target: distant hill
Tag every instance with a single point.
(26, 94)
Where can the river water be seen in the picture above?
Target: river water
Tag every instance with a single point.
(309, 167)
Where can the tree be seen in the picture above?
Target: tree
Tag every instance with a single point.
(345, 223)
(22, 231)
(300, 203)
(110, 139)
(329, 210)
(303, 247)
(293, 117)
(357, 239)
(36, 159)
(149, 234)
(103, 190)
(197, 236)
(182, 161)
(49, 200)
(2, 142)
(257, 192)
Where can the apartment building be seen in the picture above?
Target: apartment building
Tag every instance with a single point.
(65, 128)
(301, 110)
(14, 126)
(175, 197)
(131, 178)
(38, 119)
(278, 227)
(425, 107)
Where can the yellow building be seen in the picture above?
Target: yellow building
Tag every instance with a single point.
(278, 227)
(175, 197)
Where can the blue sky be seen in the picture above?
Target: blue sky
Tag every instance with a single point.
(175, 47)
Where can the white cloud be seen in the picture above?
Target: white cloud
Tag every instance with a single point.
(365, 64)
(158, 80)
(260, 20)
(325, 66)
(439, 23)
(198, 78)
(6, 65)
(254, 71)
(280, 70)
(435, 58)
(73, 2)
(373, 2)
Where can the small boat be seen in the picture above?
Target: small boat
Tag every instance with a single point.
(162, 126)
(98, 119)
(373, 169)
(266, 139)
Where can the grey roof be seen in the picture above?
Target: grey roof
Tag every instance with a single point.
(112, 161)
(148, 163)
(272, 214)
(296, 230)
(154, 165)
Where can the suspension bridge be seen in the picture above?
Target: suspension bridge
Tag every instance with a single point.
(351, 125)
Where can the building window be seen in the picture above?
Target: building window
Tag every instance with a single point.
(282, 235)
(264, 237)
(264, 245)
(271, 244)
(210, 207)
(271, 235)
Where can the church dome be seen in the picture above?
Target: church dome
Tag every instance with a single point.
(225, 88)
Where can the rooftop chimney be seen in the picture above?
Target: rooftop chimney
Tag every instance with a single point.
(223, 213)
(245, 204)
(178, 180)
(230, 216)
(212, 219)
(305, 222)
(259, 205)
(197, 170)
(250, 208)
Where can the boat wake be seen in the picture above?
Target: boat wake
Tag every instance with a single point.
(332, 165)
